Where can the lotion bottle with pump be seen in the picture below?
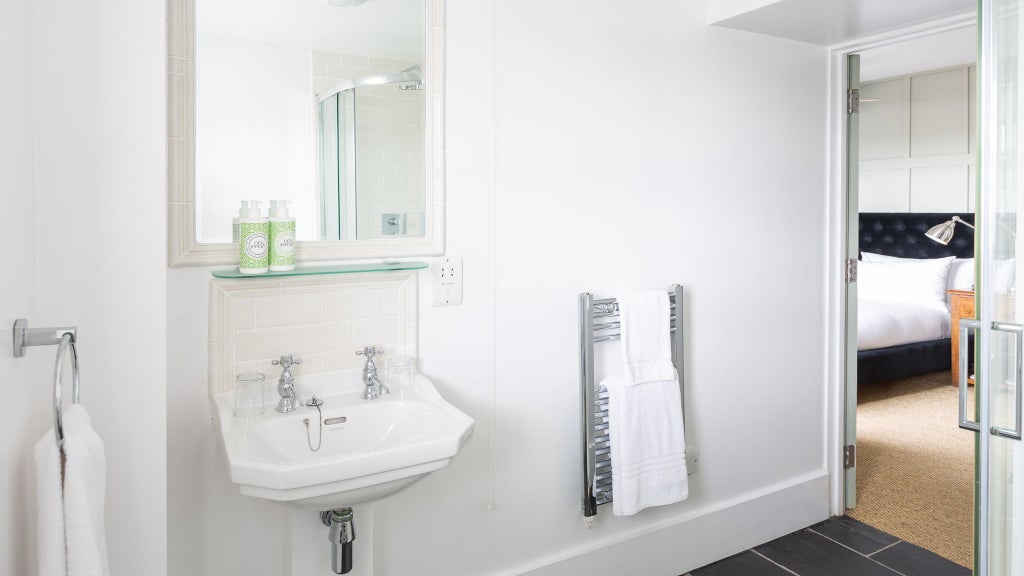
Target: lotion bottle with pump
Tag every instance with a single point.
(254, 241)
(242, 213)
(282, 237)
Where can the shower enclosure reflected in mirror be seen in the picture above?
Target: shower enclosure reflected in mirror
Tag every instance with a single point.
(338, 108)
(371, 156)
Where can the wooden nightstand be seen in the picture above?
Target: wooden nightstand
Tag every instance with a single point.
(961, 305)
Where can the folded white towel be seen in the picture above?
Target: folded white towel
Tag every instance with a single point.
(648, 449)
(644, 325)
(645, 417)
(72, 539)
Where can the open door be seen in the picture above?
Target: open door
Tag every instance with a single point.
(997, 417)
(852, 249)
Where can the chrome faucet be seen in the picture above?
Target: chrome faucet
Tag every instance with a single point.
(374, 387)
(286, 385)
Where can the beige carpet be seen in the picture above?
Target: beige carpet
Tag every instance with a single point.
(915, 466)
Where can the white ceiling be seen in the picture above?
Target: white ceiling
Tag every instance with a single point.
(829, 22)
(952, 48)
(380, 28)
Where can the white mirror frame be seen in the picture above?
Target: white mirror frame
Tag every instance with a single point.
(182, 247)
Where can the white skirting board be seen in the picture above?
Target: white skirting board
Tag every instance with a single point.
(703, 538)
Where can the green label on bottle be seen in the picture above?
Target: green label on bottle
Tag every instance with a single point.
(282, 243)
(254, 245)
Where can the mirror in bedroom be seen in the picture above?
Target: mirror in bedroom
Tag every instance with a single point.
(323, 103)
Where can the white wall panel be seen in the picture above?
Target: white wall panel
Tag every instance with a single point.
(24, 380)
(938, 113)
(100, 233)
(939, 189)
(917, 143)
(885, 190)
(884, 122)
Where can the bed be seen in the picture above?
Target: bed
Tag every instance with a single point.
(912, 338)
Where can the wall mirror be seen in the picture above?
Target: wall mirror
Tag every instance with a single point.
(334, 105)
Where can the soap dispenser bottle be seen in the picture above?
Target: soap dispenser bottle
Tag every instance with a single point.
(282, 237)
(242, 213)
(254, 241)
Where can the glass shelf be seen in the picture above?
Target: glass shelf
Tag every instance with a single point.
(233, 273)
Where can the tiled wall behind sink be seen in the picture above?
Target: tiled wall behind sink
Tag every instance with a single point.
(321, 319)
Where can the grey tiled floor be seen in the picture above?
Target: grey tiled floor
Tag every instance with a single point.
(839, 546)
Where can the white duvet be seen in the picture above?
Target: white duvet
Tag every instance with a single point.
(881, 324)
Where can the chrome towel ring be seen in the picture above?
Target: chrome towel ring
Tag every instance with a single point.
(67, 342)
(65, 339)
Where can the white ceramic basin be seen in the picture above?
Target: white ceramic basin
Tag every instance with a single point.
(383, 445)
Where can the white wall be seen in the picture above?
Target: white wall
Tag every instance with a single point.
(917, 143)
(26, 418)
(603, 148)
(100, 237)
(254, 133)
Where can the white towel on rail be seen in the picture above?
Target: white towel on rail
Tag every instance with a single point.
(74, 537)
(645, 323)
(645, 417)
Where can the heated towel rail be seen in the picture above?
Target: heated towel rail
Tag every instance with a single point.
(599, 323)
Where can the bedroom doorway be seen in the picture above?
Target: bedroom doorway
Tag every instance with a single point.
(908, 468)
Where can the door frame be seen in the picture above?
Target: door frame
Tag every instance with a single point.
(836, 230)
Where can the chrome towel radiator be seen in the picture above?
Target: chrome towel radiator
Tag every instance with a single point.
(65, 339)
(599, 323)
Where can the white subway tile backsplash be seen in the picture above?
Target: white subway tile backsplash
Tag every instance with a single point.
(244, 311)
(353, 304)
(321, 319)
(261, 343)
(288, 310)
(342, 360)
(376, 331)
(300, 285)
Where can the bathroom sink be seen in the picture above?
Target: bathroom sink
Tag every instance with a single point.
(380, 447)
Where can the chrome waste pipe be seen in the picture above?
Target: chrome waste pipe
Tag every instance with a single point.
(341, 535)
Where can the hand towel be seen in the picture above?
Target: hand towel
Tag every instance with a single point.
(50, 546)
(84, 491)
(648, 449)
(72, 539)
(644, 325)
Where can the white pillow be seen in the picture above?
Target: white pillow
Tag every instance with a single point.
(961, 273)
(921, 282)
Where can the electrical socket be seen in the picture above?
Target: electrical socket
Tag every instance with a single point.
(447, 280)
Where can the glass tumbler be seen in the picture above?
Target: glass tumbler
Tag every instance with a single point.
(249, 394)
(400, 372)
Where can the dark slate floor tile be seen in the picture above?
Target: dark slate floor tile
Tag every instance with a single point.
(743, 564)
(810, 554)
(855, 534)
(916, 561)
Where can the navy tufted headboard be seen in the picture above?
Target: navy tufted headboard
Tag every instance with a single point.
(902, 234)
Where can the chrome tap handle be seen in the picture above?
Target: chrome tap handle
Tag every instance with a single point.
(286, 361)
(369, 352)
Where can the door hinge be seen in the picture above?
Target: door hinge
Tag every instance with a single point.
(851, 270)
(849, 456)
(852, 100)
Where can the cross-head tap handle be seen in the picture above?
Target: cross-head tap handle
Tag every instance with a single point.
(369, 351)
(286, 361)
